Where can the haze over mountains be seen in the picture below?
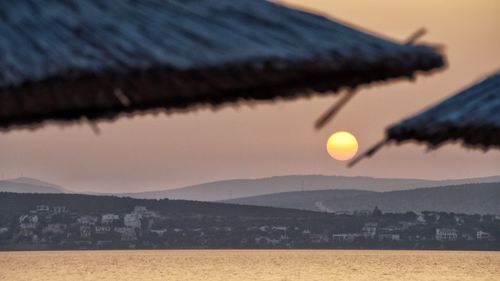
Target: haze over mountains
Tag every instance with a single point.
(239, 188)
(230, 189)
(29, 185)
(481, 198)
(321, 193)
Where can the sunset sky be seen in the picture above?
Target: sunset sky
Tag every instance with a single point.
(156, 152)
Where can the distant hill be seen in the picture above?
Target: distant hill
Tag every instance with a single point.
(240, 188)
(230, 189)
(304, 200)
(483, 198)
(29, 185)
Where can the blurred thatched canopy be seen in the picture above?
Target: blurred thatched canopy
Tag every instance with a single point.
(72, 59)
(472, 117)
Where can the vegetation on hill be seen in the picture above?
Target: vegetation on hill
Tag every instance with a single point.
(11, 203)
(482, 198)
(69, 221)
(29, 185)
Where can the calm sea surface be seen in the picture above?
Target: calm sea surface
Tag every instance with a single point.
(227, 265)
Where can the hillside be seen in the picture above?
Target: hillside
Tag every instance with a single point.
(240, 188)
(229, 189)
(14, 203)
(85, 222)
(29, 185)
(481, 198)
(303, 200)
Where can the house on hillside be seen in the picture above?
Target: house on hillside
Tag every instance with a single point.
(4, 229)
(467, 235)
(85, 231)
(369, 230)
(28, 221)
(109, 218)
(102, 229)
(319, 238)
(132, 220)
(406, 224)
(481, 235)
(159, 232)
(266, 241)
(128, 234)
(55, 228)
(43, 208)
(446, 234)
(279, 228)
(59, 210)
(87, 220)
(344, 237)
(389, 237)
(421, 219)
(143, 212)
(393, 228)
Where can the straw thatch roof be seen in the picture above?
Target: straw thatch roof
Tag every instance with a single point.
(471, 117)
(68, 60)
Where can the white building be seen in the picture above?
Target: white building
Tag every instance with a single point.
(59, 210)
(100, 229)
(264, 228)
(459, 220)
(128, 234)
(421, 219)
(279, 228)
(85, 231)
(319, 238)
(264, 240)
(42, 208)
(369, 229)
(87, 220)
(140, 209)
(284, 237)
(142, 212)
(4, 229)
(132, 220)
(109, 218)
(468, 236)
(55, 228)
(389, 237)
(120, 229)
(28, 221)
(344, 237)
(481, 235)
(159, 232)
(446, 234)
(405, 225)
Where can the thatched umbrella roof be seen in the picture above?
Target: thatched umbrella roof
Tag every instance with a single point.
(471, 117)
(68, 60)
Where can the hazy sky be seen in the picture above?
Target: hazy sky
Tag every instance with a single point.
(151, 152)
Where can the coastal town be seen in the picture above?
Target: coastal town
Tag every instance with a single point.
(60, 227)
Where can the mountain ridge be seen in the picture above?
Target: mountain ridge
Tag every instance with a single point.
(481, 198)
(30, 185)
(239, 188)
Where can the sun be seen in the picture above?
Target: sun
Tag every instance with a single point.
(342, 146)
